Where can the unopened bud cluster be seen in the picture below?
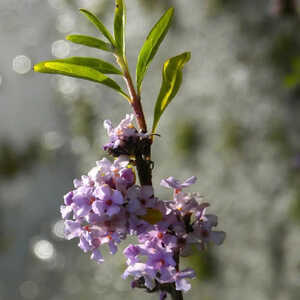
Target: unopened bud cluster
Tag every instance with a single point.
(107, 204)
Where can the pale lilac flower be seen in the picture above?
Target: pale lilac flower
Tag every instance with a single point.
(140, 198)
(68, 198)
(72, 229)
(108, 200)
(186, 203)
(180, 281)
(159, 237)
(175, 184)
(203, 230)
(140, 270)
(97, 256)
(161, 259)
(123, 138)
(132, 252)
(82, 199)
(65, 211)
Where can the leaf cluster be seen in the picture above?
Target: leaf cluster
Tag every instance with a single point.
(96, 70)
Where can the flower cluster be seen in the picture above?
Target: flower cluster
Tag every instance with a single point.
(123, 138)
(184, 224)
(106, 205)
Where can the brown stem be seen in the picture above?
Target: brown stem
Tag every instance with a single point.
(135, 102)
(143, 161)
(143, 151)
(176, 295)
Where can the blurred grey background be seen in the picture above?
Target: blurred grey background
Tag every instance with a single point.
(235, 125)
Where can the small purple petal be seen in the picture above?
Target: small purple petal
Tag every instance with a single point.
(97, 256)
(113, 210)
(117, 197)
(97, 207)
(65, 211)
(68, 198)
(218, 237)
(72, 229)
(189, 181)
(83, 244)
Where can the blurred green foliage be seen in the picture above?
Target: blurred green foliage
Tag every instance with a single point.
(13, 161)
(82, 120)
(292, 80)
(233, 135)
(186, 138)
(204, 263)
(285, 48)
(295, 206)
(279, 138)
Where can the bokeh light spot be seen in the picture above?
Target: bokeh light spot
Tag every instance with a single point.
(65, 22)
(58, 229)
(60, 49)
(67, 86)
(43, 250)
(79, 145)
(53, 140)
(21, 64)
(29, 290)
(57, 4)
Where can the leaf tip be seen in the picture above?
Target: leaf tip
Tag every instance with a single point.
(171, 10)
(37, 67)
(69, 37)
(188, 56)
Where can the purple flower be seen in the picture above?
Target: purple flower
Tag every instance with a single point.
(72, 229)
(140, 270)
(175, 184)
(97, 256)
(65, 211)
(132, 252)
(203, 234)
(68, 198)
(118, 175)
(123, 138)
(140, 198)
(161, 261)
(180, 282)
(187, 203)
(82, 199)
(108, 201)
(159, 237)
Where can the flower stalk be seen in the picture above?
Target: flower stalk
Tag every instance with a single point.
(107, 204)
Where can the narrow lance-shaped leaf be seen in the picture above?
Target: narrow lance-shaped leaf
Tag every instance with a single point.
(119, 25)
(171, 81)
(94, 63)
(90, 42)
(99, 25)
(79, 71)
(151, 45)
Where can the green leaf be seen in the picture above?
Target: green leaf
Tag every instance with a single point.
(94, 63)
(151, 45)
(119, 25)
(171, 81)
(99, 25)
(292, 80)
(79, 71)
(90, 42)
